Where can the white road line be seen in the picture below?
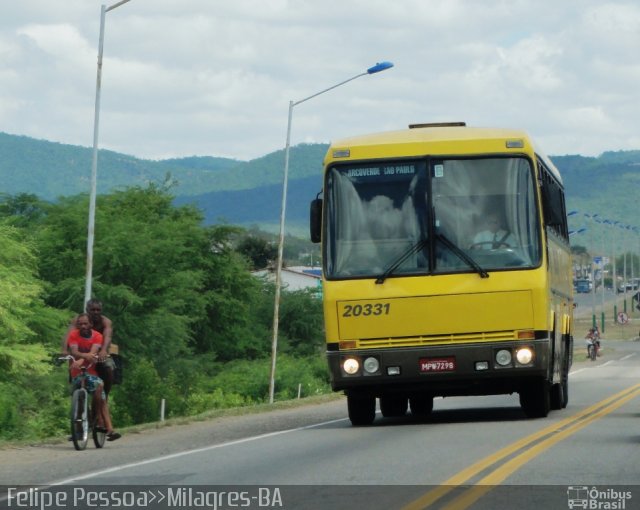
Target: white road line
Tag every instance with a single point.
(188, 452)
(573, 372)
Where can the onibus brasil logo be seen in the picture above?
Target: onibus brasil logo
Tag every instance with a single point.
(592, 498)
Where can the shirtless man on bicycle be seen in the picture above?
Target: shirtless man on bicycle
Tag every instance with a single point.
(84, 343)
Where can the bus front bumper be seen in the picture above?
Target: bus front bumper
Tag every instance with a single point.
(448, 370)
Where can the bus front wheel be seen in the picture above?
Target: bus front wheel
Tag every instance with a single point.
(535, 399)
(362, 409)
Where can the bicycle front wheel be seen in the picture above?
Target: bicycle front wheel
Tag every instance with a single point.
(79, 419)
(99, 434)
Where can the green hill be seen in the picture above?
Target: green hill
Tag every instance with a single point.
(607, 185)
(51, 169)
(248, 192)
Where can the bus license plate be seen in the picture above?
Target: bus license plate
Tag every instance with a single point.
(447, 364)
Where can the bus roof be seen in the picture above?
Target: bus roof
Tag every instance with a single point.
(436, 139)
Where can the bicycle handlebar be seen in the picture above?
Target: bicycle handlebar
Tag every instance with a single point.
(58, 359)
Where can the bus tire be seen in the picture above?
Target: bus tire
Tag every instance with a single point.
(560, 391)
(557, 396)
(362, 409)
(535, 399)
(393, 406)
(421, 405)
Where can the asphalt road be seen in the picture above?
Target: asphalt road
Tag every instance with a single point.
(473, 452)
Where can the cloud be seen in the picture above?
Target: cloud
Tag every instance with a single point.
(215, 78)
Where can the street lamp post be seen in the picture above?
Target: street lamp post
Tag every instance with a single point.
(593, 217)
(603, 222)
(94, 163)
(381, 66)
(624, 266)
(614, 242)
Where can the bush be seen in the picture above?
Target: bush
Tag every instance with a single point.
(9, 415)
(251, 378)
(200, 402)
(137, 399)
(310, 374)
(34, 410)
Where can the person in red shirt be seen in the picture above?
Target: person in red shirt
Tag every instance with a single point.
(84, 344)
(103, 325)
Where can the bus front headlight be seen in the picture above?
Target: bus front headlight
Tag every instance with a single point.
(351, 366)
(371, 365)
(524, 355)
(503, 357)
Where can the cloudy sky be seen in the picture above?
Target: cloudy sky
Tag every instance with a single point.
(215, 77)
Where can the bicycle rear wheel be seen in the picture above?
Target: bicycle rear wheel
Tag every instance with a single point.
(79, 419)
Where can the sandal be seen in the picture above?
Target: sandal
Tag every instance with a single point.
(112, 436)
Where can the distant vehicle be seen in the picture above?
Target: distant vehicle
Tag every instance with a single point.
(584, 286)
(629, 286)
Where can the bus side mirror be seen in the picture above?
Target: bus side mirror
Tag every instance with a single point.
(315, 220)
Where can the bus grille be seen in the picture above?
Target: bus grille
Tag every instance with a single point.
(466, 338)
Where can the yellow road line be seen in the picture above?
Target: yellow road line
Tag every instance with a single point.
(558, 431)
(510, 467)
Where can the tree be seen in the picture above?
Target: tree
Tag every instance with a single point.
(302, 322)
(22, 210)
(581, 258)
(26, 324)
(258, 250)
(172, 287)
(233, 295)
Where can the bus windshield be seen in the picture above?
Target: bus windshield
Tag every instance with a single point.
(431, 216)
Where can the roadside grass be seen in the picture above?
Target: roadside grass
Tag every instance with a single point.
(208, 415)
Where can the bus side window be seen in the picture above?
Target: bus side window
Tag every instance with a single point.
(553, 204)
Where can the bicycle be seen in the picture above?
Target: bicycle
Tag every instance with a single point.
(83, 415)
(593, 344)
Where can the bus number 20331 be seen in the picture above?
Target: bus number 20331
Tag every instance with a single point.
(366, 309)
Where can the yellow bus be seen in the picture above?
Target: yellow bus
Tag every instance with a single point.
(446, 270)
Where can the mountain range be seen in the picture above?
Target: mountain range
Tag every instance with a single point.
(249, 192)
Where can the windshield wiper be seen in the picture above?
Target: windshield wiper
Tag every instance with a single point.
(403, 256)
(419, 246)
(463, 255)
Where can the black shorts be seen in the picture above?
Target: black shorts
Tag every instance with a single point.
(105, 369)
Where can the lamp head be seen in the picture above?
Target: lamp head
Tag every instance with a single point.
(380, 66)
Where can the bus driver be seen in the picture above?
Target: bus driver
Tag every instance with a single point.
(495, 236)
